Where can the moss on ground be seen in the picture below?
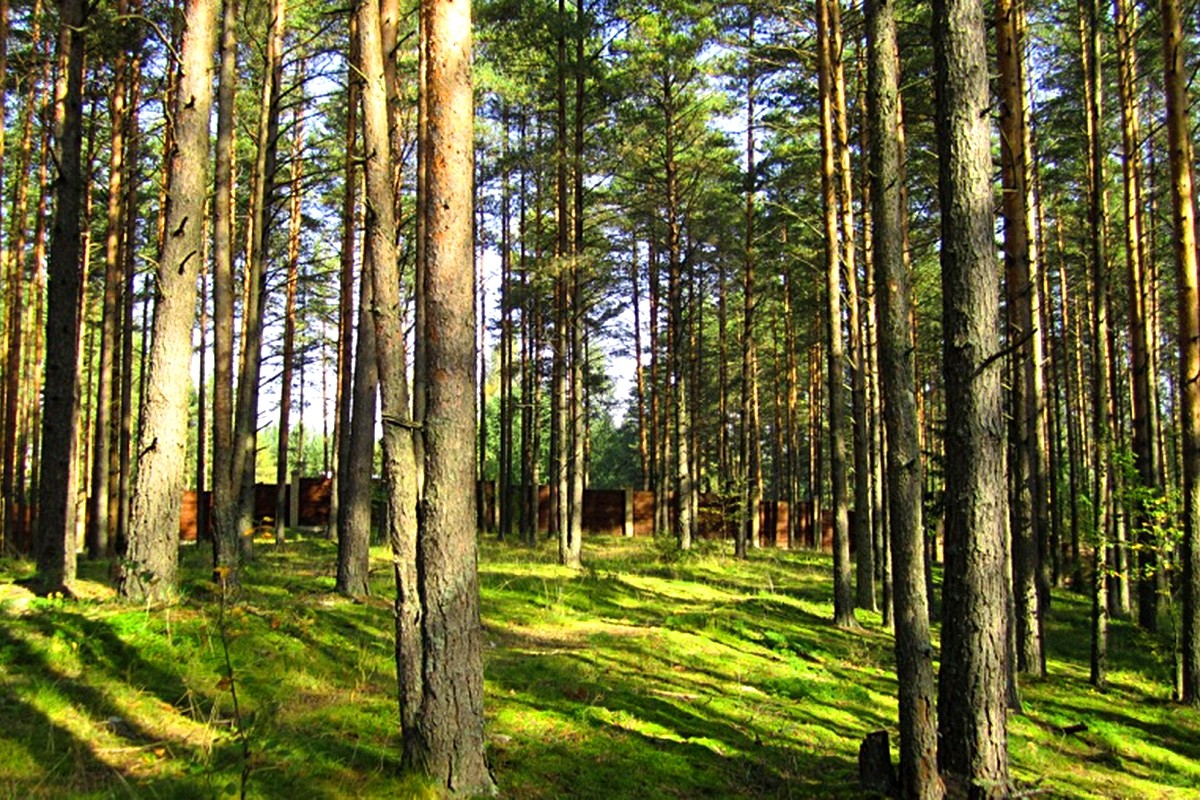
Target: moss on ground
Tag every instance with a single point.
(648, 674)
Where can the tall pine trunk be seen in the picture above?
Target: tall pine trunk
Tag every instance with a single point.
(897, 362)
(151, 561)
(843, 588)
(972, 683)
(447, 740)
(1188, 275)
(56, 483)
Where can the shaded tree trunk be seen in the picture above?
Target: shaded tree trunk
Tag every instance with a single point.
(56, 483)
(972, 682)
(914, 653)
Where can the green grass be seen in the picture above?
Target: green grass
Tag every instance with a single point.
(647, 675)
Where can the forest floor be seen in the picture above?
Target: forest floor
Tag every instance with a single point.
(650, 674)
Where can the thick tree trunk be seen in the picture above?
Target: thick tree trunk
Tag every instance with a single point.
(971, 693)
(447, 740)
(1183, 202)
(150, 564)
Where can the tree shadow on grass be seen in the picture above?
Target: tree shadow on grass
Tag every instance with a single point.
(698, 725)
(44, 758)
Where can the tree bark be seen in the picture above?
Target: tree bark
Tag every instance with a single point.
(1188, 277)
(971, 696)
(447, 740)
(1021, 289)
(1102, 420)
(150, 565)
(289, 321)
(56, 483)
(381, 264)
(914, 652)
(225, 517)
(843, 587)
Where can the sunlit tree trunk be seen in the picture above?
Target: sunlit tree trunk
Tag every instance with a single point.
(447, 740)
(99, 542)
(1183, 205)
(1021, 289)
(381, 264)
(1101, 399)
(751, 459)
(225, 493)
(150, 565)
(843, 587)
(262, 197)
(346, 263)
(1142, 375)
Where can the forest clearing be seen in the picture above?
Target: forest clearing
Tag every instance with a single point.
(651, 674)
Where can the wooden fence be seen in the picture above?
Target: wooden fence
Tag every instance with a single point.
(613, 512)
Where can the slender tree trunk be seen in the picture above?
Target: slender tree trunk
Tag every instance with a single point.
(124, 456)
(289, 321)
(262, 199)
(843, 588)
(640, 373)
(225, 517)
(914, 654)
(381, 264)
(56, 483)
(751, 445)
(971, 692)
(150, 564)
(354, 507)
(16, 317)
(1142, 376)
(1020, 286)
(577, 467)
(99, 542)
(346, 371)
(1101, 398)
(865, 568)
(1183, 204)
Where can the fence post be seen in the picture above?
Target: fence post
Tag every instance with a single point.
(628, 526)
(294, 506)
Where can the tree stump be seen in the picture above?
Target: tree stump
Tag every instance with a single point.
(875, 770)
